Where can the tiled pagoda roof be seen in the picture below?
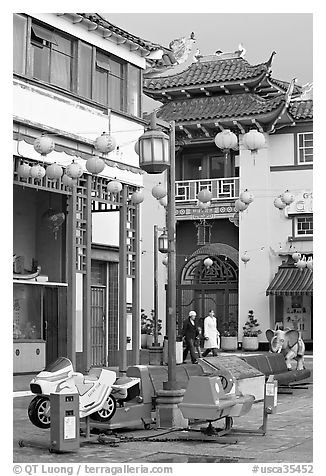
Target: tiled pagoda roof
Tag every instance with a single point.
(301, 109)
(219, 107)
(219, 71)
(99, 20)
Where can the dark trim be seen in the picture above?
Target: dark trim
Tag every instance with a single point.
(100, 246)
(301, 238)
(295, 127)
(285, 168)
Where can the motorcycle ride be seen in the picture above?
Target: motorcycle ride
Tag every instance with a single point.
(98, 391)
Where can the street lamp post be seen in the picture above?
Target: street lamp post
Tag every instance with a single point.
(156, 154)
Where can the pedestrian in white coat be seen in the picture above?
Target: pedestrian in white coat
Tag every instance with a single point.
(211, 334)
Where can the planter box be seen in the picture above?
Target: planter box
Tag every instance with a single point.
(229, 343)
(250, 343)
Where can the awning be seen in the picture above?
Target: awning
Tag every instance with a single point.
(291, 281)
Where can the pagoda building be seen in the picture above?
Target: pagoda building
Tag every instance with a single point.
(204, 96)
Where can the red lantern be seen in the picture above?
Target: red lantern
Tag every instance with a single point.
(205, 195)
(105, 143)
(74, 170)
(37, 172)
(114, 186)
(54, 171)
(302, 263)
(23, 170)
(254, 140)
(137, 147)
(226, 140)
(158, 191)
(310, 263)
(137, 197)
(95, 165)
(44, 144)
(240, 206)
(246, 197)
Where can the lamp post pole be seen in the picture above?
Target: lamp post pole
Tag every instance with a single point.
(155, 285)
(171, 285)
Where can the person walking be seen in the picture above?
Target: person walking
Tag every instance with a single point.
(190, 333)
(211, 334)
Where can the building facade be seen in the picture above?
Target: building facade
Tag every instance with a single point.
(246, 249)
(76, 245)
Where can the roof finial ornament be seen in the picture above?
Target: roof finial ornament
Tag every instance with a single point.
(242, 50)
(269, 62)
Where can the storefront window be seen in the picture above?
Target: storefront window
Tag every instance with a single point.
(27, 312)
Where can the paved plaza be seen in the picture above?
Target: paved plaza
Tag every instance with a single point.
(289, 438)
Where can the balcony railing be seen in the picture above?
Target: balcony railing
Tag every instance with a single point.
(222, 189)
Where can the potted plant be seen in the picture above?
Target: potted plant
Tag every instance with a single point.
(146, 328)
(250, 333)
(229, 336)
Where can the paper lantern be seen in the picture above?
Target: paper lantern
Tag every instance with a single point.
(254, 140)
(95, 165)
(240, 206)
(54, 171)
(158, 191)
(208, 262)
(202, 205)
(137, 197)
(68, 181)
(37, 172)
(164, 201)
(136, 147)
(23, 170)
(226, 140)
(278, 203)
(302, 263)
(114, 186)
(44, 144)
(74, 170)
(310, 263)
(246, 197)
(245, 258)
(205, 195)
(287, 197)
(296, 256)
(105, 143)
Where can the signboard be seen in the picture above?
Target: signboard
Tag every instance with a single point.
(222, 210)
(303, 203)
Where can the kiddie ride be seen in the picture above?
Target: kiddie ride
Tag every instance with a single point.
(99, 391)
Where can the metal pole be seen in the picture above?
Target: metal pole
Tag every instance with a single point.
(136, 293)
(171, 314)
(155, 287)
(123, 282)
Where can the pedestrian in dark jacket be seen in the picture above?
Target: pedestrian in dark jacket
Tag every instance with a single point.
(190, 333)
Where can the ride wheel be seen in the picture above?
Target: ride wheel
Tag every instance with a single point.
(107, 412)
(39, 412)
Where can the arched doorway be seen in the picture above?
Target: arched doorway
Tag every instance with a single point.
(216, 287)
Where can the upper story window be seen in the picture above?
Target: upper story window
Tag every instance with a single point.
(303, 226)
(48, 55)
(305, 147)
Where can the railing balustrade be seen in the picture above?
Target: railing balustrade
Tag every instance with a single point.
(222, 189)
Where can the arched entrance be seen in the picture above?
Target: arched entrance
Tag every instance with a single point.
(216, 287)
